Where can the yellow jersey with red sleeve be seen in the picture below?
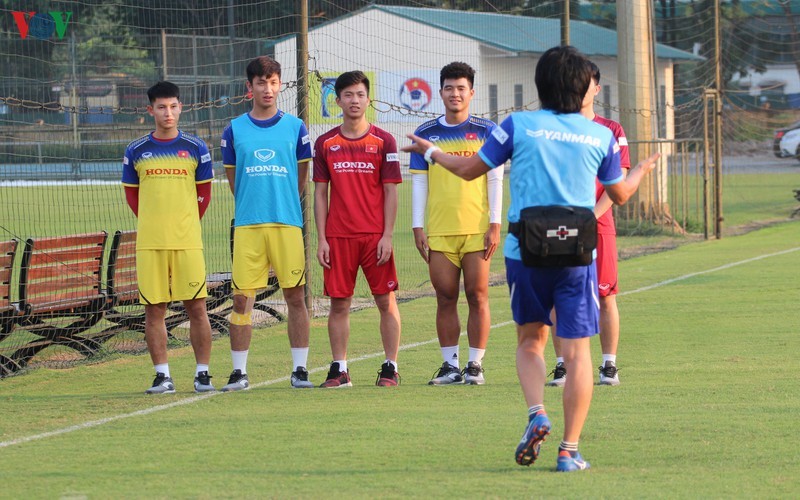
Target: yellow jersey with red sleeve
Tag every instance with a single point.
(454, 206)
(167, 174)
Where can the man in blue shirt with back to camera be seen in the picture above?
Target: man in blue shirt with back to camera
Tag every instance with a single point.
(556, 154)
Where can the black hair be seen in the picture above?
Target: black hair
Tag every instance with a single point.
(350, 78)
(263, 66)
(595, 72)
(563, 76)
(163, 90)
(456, 70)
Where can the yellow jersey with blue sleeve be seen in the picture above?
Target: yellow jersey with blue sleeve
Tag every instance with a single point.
(454, 206)
(166, 173)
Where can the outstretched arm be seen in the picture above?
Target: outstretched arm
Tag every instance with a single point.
(623, 190)
(465, 167)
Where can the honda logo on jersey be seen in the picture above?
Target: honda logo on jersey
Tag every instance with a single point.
(264, 154)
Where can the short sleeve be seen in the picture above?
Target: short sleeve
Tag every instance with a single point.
(226, 146)
(321, 172)
(610, 171)
(304, 151)
(129, 175)
(499, 145)
(390, 170)
(205, 169)
(417, 164)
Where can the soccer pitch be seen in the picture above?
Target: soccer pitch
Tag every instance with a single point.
(707, 407)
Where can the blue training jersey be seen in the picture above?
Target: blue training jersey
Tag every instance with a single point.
(555, 159)
(265, 154)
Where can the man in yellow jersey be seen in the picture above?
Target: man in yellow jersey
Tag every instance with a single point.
(266, 154)
(167, 177)
(463, 227)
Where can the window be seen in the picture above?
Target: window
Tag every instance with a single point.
(518, 97)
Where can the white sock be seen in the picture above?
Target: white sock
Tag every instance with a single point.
(476, 355)
(239, 359)
(200, 368)
(342, 364)
(393, 363)
(299, 357)
(450, 355)
(570, 447)
(533, 410)
(559, 360)
(163, 369)
(610, 357)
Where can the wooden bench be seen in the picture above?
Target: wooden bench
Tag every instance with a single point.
(121, 287)
(122, 291)
(8, 311)
(60, 282)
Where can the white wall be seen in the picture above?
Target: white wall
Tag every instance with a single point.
(785, 74)
(381, 42)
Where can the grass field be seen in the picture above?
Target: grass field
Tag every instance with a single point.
(40, 210)
(707, 407)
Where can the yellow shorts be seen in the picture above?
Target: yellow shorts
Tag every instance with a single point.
(167, 275)
(455, 247)
(257, 248)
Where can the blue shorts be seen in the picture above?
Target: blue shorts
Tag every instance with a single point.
(571, 290)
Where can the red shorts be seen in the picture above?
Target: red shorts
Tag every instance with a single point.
(607, 264)
(347, 255)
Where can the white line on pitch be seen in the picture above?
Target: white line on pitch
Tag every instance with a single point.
(707, 271)
(194, 399)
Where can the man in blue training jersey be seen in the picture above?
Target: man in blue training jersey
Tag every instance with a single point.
(555, 154)
(266, 153)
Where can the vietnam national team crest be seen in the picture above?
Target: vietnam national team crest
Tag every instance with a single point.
(415, 94)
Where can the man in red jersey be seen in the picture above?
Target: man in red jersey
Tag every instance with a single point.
(606, 255)
(357, 169)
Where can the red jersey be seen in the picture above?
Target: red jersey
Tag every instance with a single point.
(356, 169)
(605, 224)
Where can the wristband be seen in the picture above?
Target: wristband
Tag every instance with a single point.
(430, 152)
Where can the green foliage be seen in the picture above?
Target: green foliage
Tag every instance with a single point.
(104, 45)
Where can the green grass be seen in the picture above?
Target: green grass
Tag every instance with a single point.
(70, 209)
(707, 405)
(54, 210)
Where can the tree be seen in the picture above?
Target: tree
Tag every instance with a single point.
(104, 45)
